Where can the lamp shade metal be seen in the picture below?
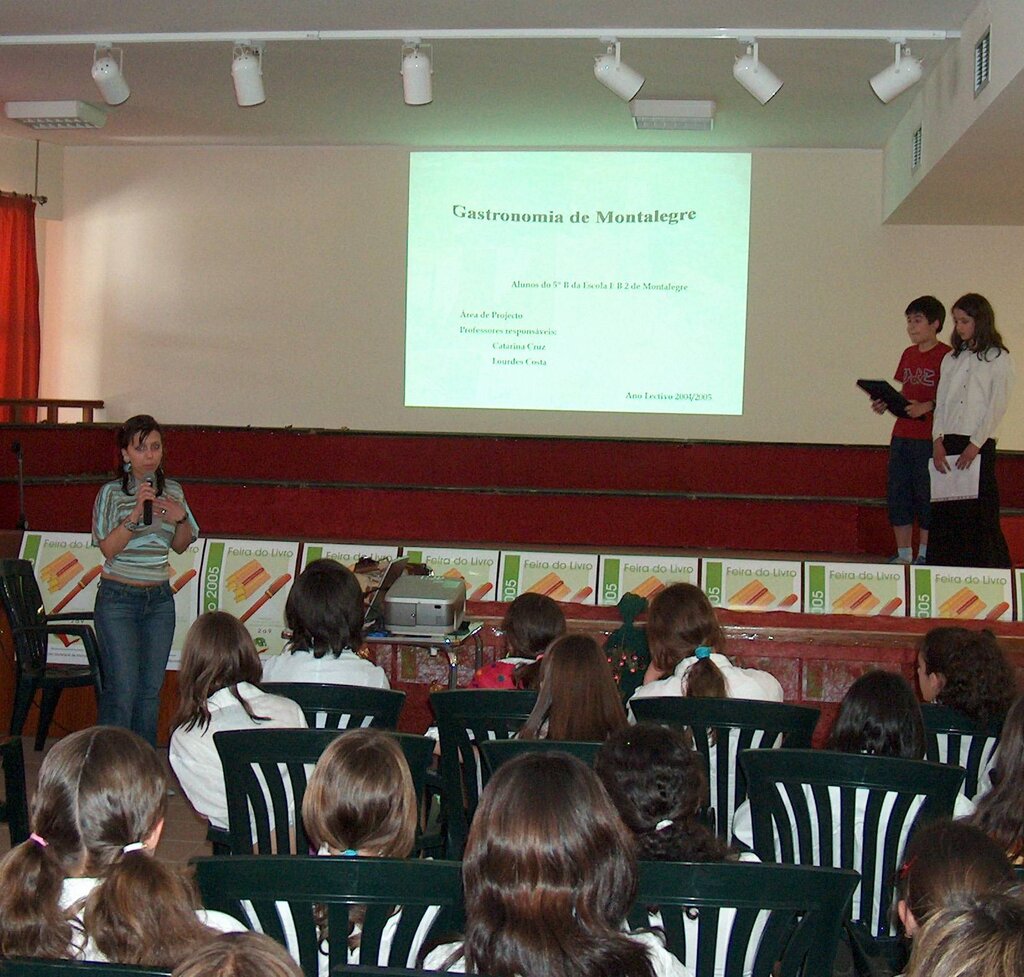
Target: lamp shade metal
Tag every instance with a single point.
(616, 76)
(895, 79)
(247, 75)
(417, 84)
(755, 77)
(106, 72)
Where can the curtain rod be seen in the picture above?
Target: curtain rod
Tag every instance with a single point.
(24, 196)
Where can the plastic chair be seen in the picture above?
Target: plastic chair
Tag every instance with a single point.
(493, 753)
(466, 717)
(950, 737)
(732, 918)
(282, 898)
(265, 775)
(329, 706)
(812, 807)
(14, 809)
(30, 628)
(23, 967)
(721, 728)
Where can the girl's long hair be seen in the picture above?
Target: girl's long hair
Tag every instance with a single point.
(99, 790)
(657, 781)
(531, 623)
(986, 336)
(1000, 812)
(578, 698)
(979, 681)
(550, 873)
(324, 610)
(879, 715)
(681, 620)
(219, 653)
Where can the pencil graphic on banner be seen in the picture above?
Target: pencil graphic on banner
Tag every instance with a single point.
(270, 591)
(244, 587)
(651, 586)
(57, 565)
(582, 594)
(182, 580)
(84, 582)
(789, 600)
(452, 574)
(547, 584)
(857, 600)
(242, 571)
(965, 603)
(998, 611)
(482, 591)
(891, 608)
(560, 592)
(59, 572)
(753, 594)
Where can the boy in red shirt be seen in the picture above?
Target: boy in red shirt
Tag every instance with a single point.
(909, 491)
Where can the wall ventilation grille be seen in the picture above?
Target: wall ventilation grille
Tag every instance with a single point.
(915, 149)
(981, 61)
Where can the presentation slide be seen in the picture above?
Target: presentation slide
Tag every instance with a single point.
(583, 281)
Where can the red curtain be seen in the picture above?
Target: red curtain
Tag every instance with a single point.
(19, 300)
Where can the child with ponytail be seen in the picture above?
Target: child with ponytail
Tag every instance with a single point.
(85, 885)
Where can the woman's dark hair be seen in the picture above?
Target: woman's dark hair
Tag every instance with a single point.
(986, 336)
(681, 620)
(1000, 812)
(550, 873)
(949, 861)
(239, 955)
(978, 680)
(100, 790)
(136, 429)
(324, 610)
(531, 623)
(658, 783)
(578, 698)
(879, 715)
(218, 653)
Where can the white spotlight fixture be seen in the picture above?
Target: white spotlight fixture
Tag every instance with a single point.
(417, 68)
(247, 74)
(756, 78)
(612, 73)
(106, 72)
(894, 80)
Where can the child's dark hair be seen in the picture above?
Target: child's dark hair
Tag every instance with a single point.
(681, 620)
(930, 307)
(948, 861)
(986, 336)
(658, 783)
(531, 623)
(978, 680)
(218, 653)
(1000, 812)
(324, 610)
(100, 791)
(879, 715)
(137, 428)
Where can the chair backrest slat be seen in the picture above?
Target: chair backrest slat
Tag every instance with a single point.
(334, 706)
(951, 737)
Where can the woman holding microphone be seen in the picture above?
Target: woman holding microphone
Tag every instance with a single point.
(136, 520)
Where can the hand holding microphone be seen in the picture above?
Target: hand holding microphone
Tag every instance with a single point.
(147, 505)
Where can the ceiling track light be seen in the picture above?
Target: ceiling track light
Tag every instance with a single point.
(903, 73)
(417, 69)
(755, 77)
(613, 74)
(107, 73)
(247, 73)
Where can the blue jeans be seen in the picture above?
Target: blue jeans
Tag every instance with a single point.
(135, 627)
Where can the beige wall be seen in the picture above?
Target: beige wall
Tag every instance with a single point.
(266, 287)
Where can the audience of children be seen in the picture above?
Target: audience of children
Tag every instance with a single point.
(218, 689)
(239, 955)
(578, 699)
(86, 885)
(1000, 812)
(531, 623)
(324, 613)
(687, 647)
(550, 872)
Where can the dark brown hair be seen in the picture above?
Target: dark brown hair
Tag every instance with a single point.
(879, 715)
(99, 790)
(239, 955)
(550, 873)
(681, 620)
(218, 654)
(531, 623)
(1000, 812)
(978, 680)
(578, 698)
(137, 428)
(324, 610)
(986, 336)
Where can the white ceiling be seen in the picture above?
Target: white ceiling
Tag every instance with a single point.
(503, 92)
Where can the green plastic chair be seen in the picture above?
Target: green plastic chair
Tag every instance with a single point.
(14, 809)
(15, 967)
(721, 728)
(328, 706)
(265, 775)
(30, 631)
(466, 717)
(282, 898)
(493, 753)
(734, 918)
(814, 807)
(950, 737)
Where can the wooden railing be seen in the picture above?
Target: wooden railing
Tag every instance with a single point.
(24, 410)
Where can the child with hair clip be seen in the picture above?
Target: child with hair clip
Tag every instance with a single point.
(578, 698)
(218, 689)
(550, 872)
(85, 885)
(324, 613)
(531, 623)
(1000, 812)
(360, 802)
(687, 647)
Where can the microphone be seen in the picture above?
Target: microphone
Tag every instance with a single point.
(147, 506)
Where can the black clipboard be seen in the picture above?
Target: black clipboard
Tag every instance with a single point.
(883, 390)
